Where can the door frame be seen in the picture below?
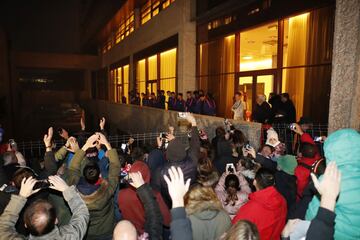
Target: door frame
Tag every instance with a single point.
(254, 74)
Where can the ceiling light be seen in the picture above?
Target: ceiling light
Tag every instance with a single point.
(247, 57)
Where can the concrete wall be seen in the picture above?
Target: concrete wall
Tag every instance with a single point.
(176, 19)
(136, 119)
(344, 109)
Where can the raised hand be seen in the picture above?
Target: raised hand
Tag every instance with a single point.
(91, 142)
(64, 134)
(297, 129)
(329, 186)
(137, 179)
(27, 185)
(177, 187)
(48, 137)
(102, 123)
(103, 140)
(57, 183)
(73, 145)
(82, 123)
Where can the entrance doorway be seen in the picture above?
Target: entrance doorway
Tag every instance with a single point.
(254, 84)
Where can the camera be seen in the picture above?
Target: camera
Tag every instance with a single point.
(292, 126)
(317, 139)
(230, 168)
(163, 135)
(42, 184)
(248, 146)
(12, 143)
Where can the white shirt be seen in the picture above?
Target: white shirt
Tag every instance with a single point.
(238, 108)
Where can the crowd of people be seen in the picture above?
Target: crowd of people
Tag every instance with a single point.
(220, 188)
(196, 102)
(279, 108)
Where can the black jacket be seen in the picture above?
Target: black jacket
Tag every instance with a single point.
(262, 113)
(180, 226)
(322, 226)
(177, 156)
(153, 217)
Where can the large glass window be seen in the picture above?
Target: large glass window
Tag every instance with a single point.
(258, 48)
(120, 83)
(125, 28)
(152, 8)
(157, 72)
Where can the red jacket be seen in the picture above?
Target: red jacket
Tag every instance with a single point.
(267, 210)
(302, 173)
(130, 205)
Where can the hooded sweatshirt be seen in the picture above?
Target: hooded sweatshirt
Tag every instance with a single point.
(343, 147)
(301, 172)
(209, 222)
(131, 206)
(267, 209)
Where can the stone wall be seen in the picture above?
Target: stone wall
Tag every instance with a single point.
(344, 111)
(135, 119)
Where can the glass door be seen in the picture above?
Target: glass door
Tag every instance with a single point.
(253, 85)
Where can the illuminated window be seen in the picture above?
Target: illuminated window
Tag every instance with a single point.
(150, 77)
(258, 48)
(152, 8)
(120, 81)
(125, 28)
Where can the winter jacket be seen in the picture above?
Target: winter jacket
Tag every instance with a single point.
(178, 156)
(262, 113)
(266, 208)
(190, 105)
(301, 172)
(343, 147)
(286, 186)
(180, 105)
(322, 226)
(75, 229)
(130, 204)
(208, 222)
(180, 225)
(100, 203)
(242, 195)
(224, 155)
(153, 217)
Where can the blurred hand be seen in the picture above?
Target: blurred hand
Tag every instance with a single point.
(251, 151)
(27, 185)
(103, 140)
(190, 118)
(289, 227)
(91, 142)
(48, 137)
(57, 183)
(176, 186)
(298, 129)
(329, 186)
(82, 123)
(102, 123)
(73, 144)
(137, 179)
(158, 142)
(131, 141)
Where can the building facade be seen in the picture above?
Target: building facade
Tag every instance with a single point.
(256, 47)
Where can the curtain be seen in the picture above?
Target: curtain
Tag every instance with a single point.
(152, 67)
(294, 79)
(168, 70)
(126, 82)
(141, 76)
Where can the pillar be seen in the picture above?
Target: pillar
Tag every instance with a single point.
(344, 110)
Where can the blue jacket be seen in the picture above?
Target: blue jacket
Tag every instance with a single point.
(343, 147)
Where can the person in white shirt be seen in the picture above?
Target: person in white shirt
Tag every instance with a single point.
(239, 107)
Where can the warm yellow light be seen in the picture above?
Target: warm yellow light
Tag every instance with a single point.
(247, 57)
(168, 52)
(262, 64)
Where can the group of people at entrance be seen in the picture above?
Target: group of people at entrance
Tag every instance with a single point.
(196, 102)
(279, 109)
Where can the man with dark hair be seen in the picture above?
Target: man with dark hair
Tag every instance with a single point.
(97, 192)
(307, 156)
(180, 103)
(266, 207)
(190, 102)
(40, 216)
(288, 108)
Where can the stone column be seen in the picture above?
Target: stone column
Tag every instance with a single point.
(344, 110)
(186, 67)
